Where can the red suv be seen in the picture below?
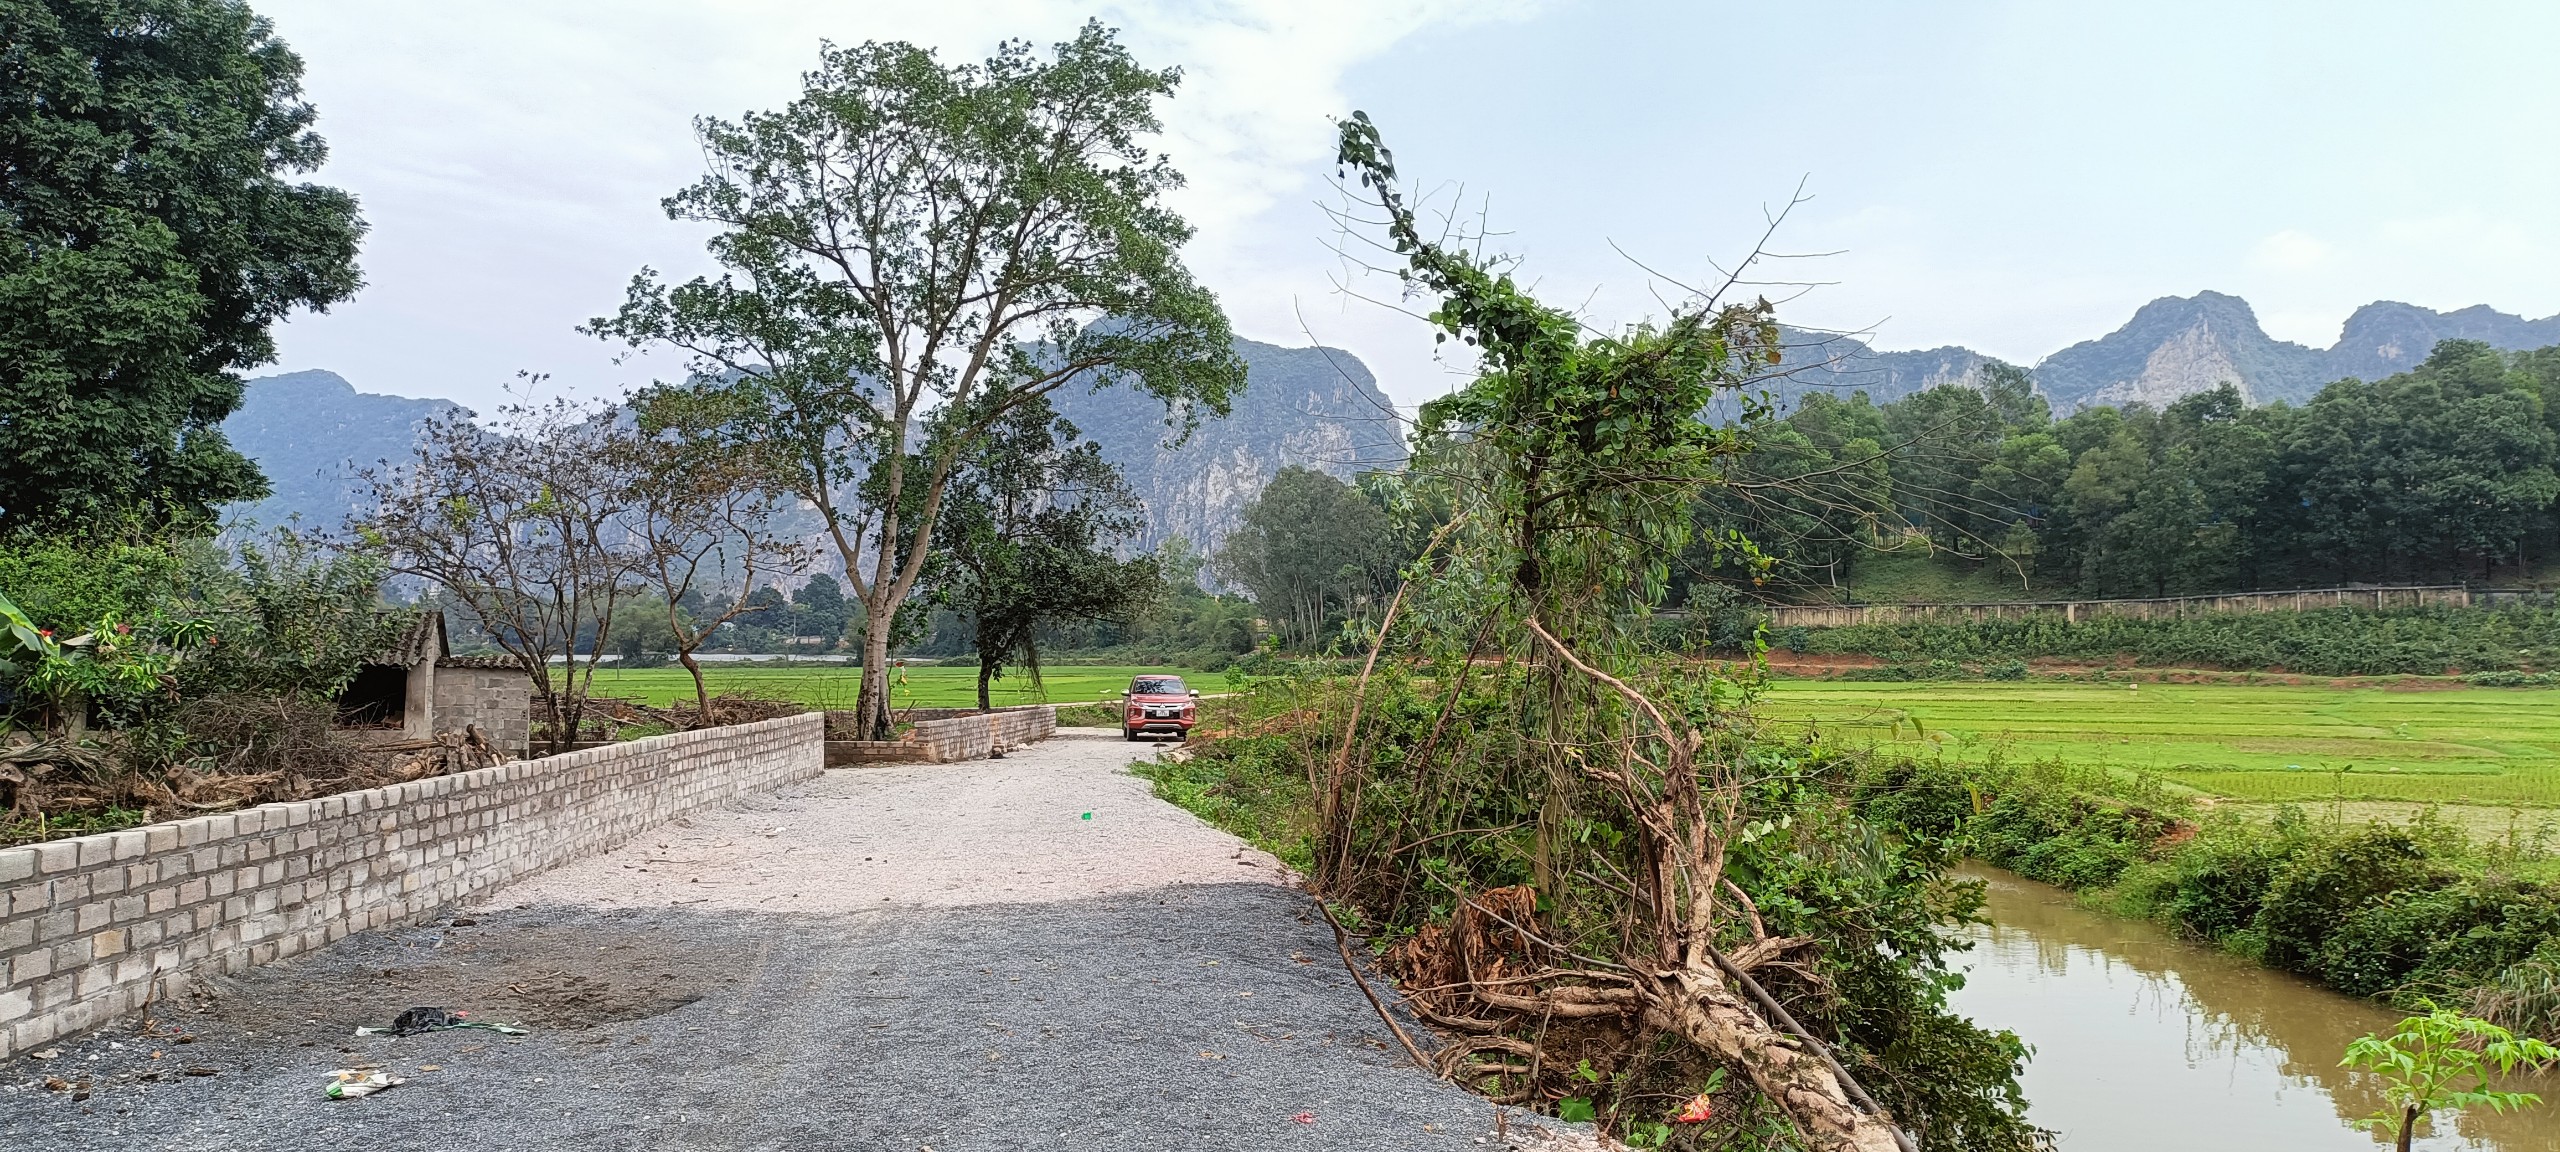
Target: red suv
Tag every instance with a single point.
(1158, 704)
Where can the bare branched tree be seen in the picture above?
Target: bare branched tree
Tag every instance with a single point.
(701, 519)
(524, 523)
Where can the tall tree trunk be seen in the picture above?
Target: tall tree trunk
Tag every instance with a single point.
(871, 708)
(701, 694)
(986, 675)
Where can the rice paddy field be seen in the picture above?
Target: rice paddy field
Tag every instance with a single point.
(2254, 743)
(835, 686)
(2260, 743)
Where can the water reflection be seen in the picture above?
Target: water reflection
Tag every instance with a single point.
(2145, 1042)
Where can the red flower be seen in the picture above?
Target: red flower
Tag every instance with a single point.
(124, 629)
(1701, 1108)
(47, 633)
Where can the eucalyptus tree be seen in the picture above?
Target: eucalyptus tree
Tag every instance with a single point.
(151, 233)
(912, 251)
(1310, 549)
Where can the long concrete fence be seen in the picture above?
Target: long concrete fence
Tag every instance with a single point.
(96, 926)
(2159, 608)
(944, 735)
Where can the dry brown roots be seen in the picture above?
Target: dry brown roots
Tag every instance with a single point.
(1489, 974)
(52, 775)
(1488, 977)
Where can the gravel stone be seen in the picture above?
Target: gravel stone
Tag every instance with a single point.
(943, 957)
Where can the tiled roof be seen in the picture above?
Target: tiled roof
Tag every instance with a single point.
(422, 640)
(496, 663)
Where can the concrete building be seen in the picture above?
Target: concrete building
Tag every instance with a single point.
(420, 686)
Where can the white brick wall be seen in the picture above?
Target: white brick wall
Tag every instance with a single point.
(89, 925)
(949, 735)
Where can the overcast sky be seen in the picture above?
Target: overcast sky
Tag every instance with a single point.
(2013, 177)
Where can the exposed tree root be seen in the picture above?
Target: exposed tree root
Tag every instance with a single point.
(1699, 1006)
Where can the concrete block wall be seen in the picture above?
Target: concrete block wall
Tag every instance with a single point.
(971, 736)
(499, 700)
(90, 926)
(947, 735)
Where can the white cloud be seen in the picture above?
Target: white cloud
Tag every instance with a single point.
(511, 157)
(2289, 251)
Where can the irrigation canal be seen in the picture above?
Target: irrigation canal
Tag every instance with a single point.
(2144, 1042)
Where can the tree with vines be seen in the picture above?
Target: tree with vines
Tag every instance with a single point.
(1625, 789)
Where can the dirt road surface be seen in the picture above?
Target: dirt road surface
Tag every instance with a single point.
(1026, 953)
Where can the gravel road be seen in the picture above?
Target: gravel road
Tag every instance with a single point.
(1026, 953)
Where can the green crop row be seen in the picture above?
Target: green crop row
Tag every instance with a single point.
(2328, 642)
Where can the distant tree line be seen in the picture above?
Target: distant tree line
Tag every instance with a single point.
(2442, 473)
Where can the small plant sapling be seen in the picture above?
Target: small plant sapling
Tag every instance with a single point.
(2443, 1060)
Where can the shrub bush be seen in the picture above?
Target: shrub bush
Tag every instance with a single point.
(2331, 879)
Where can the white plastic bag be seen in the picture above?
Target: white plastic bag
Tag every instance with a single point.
(354, 1082)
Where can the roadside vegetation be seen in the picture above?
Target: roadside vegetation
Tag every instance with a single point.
(148, 675)
(2409, 912)
(1577, 859)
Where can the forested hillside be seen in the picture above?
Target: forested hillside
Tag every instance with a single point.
(2172, 347)
(1321, 408)
(2441, 473)
(310, 432)
(1310, 407)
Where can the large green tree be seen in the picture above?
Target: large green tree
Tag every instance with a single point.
(1027, 538)
(913, 251)
(1311, 550)
(149, 238)
(2446, 470)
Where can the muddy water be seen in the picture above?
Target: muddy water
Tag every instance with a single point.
(2143, 1042)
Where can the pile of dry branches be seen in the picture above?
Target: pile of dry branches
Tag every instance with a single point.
(1494, 972)
(684, 716)
(216, 753)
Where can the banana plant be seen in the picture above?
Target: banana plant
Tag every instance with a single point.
(24, 632)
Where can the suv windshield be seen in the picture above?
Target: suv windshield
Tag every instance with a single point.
(1157, 686)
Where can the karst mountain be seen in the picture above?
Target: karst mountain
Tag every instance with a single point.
(1321, 408)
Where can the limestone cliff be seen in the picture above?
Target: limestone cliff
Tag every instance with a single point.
(1841, 364)
(1314, 407)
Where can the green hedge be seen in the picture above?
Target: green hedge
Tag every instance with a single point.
(2400, 912)
(2329, 642)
